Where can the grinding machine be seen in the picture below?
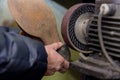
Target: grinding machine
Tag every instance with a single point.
(91, 29)
(94, 31)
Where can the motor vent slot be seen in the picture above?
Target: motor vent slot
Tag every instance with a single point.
(110, 32)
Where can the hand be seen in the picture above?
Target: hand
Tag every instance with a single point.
(55, 61)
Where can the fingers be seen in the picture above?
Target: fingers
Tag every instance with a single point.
(56, 45)
(55, 61)
(50, 72)
(53, 47)
(60, 66)
(62, 70)
(65, 66)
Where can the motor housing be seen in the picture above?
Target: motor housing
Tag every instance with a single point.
(81, 28)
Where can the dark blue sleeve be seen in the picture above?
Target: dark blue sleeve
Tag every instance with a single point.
(21, 58)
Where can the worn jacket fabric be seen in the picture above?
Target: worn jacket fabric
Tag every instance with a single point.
(21, 58)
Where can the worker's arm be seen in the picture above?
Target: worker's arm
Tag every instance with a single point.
(21, 58)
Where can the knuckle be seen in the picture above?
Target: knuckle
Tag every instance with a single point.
(61, 61)
(58, 68)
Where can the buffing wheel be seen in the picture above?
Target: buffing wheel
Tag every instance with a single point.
(74, 26)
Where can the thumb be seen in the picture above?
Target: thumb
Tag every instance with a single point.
(56, 45)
